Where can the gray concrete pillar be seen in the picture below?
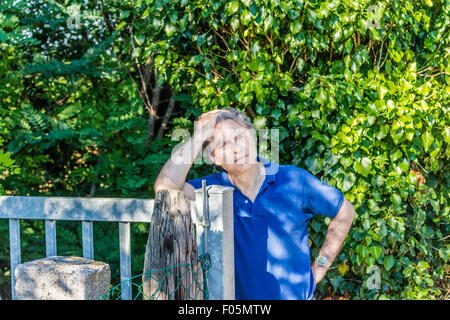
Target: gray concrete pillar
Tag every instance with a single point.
(62, 278)
(219, 235)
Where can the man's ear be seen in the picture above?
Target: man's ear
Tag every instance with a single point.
(207, 155)
(212, 159)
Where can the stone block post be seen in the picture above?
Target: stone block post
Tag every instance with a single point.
(62, 278)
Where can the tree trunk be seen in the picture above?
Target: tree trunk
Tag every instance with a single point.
(166, 119)
(171, 243)
(156, 92)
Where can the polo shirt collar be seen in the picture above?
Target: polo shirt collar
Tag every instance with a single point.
(271, 169)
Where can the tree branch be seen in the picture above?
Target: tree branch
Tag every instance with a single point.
(166, 118)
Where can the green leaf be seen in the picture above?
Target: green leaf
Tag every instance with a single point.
(246, 17)
(370, 261)
(396, 199)
(447, 135)
(388, 262)
(255, 66)
(359, 259)
(404, 164)
(316, 225)
(139, 38)
(314, 164)
(337, 35)
(444, 253)
(407, 271)
(363, 251)
(349, 180)
(170, 29)
(375, 251)
(295, 27)
(268, 22)
(427, 140)
(381, 92)
(259, 122)
(346, 161)
(299, 64)
(235, 23)
(233, 7)
(159, 60)
(121, 25)
(255, 49)
(397, 134)
(335, 282)
(276, 113)
(145, 13)
(363, 166)
(321, 96)
(396, 155)
(124, 14)
(423, 265)
(245, 76)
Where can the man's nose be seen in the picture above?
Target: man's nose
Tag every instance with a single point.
(239, 150)
(242, 143)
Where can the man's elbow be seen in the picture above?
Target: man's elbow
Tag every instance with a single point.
(164, 186)
(159, 186)
(347, 212)
(351, 212)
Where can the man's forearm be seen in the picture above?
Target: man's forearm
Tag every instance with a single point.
(174, 172)
(336, 234)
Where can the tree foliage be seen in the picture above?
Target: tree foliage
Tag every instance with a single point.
(358, 90)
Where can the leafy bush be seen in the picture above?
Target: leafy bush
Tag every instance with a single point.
(360, 94)
(358, 90)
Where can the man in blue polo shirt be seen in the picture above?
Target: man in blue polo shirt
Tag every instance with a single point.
(272, 205)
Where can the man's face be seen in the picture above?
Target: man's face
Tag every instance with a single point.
(233, 146)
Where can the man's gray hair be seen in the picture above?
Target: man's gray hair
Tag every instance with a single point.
(233, 114)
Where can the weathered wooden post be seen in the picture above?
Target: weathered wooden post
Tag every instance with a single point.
(171, 244)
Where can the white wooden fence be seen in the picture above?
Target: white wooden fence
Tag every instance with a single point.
(211, 237)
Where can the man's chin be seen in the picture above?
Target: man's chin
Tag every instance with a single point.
(241, 165)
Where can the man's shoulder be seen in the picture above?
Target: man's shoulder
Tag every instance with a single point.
(291, 170)
(291, 176)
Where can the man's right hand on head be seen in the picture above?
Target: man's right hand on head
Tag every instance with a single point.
(205, 124)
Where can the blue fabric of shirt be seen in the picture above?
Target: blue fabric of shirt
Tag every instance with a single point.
(272, 254)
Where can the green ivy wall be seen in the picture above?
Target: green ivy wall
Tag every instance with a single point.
(359, 91)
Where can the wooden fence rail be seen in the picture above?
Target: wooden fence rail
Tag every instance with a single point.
(125, 211)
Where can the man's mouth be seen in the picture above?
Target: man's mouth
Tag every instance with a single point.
(241, 158)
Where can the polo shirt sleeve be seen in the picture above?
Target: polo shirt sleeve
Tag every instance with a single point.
(319, 197)
(210, 179)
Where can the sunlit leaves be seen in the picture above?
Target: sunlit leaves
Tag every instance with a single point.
(363, 166)
(358, 93)
(427, 140)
